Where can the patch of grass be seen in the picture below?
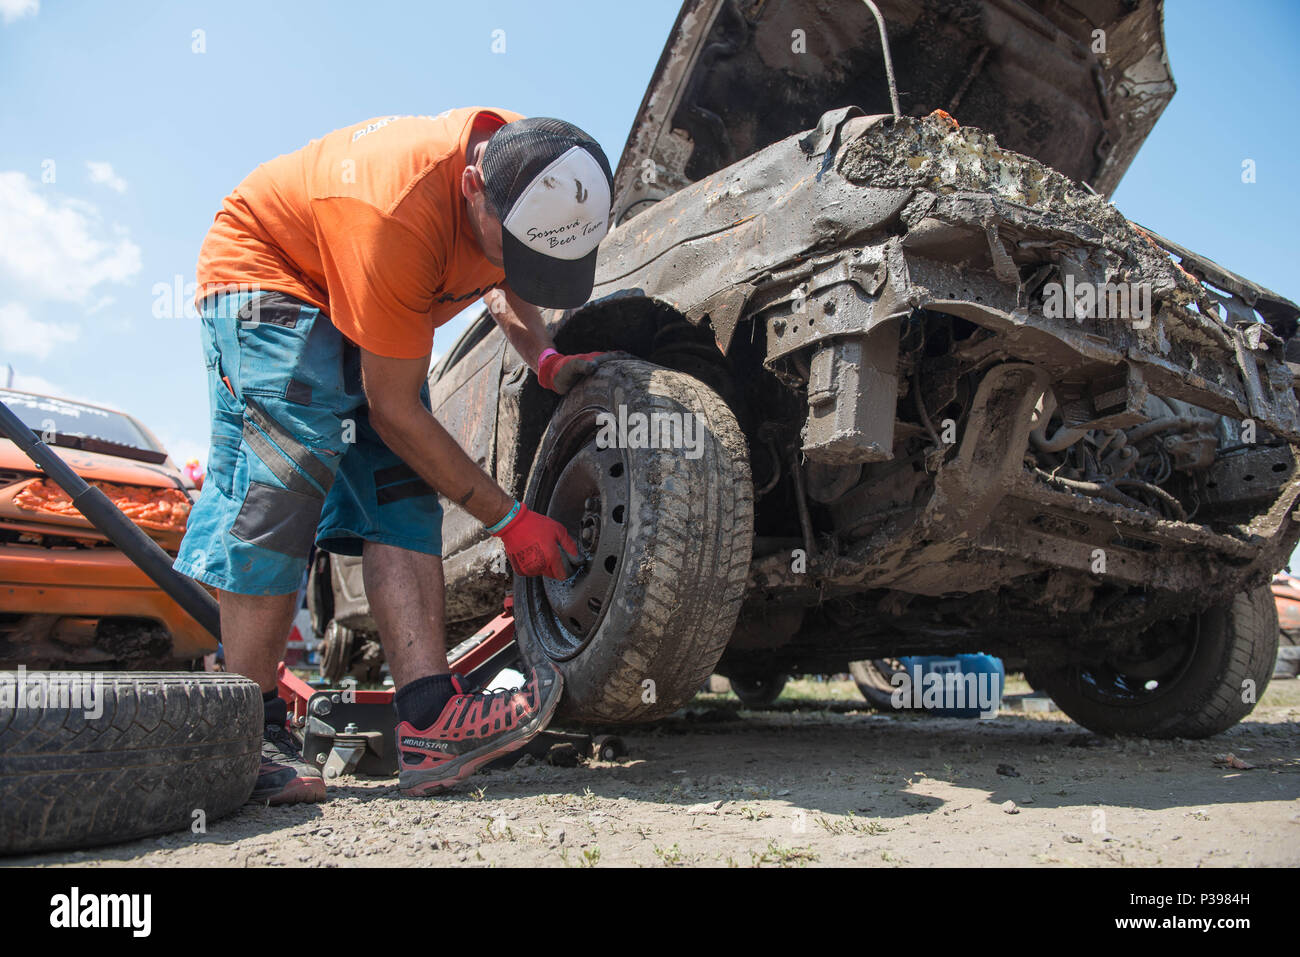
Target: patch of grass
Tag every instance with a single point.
(672, 857)
(850, 824)
(782, 856)
(495, 831)
(565, 802)
(589, 857)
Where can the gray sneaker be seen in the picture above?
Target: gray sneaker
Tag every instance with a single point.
(284, 777)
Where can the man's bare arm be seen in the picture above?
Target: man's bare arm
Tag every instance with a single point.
(521, 322)
(409, 429)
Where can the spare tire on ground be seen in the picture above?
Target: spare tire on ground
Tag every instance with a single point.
(89, 759)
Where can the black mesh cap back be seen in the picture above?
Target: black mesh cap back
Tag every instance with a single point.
(518, 151)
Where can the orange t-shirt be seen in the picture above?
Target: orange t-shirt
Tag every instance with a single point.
(367, 224)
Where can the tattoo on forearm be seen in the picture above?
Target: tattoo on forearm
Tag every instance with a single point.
(466, 497)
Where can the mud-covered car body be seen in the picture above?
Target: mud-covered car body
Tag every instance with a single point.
(943, 458)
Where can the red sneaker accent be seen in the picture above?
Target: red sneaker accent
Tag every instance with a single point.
(473, 730)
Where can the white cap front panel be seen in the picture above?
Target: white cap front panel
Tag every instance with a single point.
(564, 211)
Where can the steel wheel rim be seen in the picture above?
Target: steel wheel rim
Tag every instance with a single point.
(588, 489)
(1109, 684)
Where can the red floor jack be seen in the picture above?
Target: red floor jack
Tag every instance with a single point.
(348, 730)
(342, 730)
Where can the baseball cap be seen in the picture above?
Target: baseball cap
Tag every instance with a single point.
(550, 183)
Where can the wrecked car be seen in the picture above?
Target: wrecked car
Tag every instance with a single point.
(951, 398)
(69, 598)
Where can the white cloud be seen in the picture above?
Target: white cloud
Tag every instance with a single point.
(102, 172)
(22, 335)
(42, 386)
(32, 383)
(58, 248)
(183, 449)
(103, 302)
(11, 10)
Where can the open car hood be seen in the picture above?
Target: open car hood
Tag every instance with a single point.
(738, 75)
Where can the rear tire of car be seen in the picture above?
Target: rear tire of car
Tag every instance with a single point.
(163, 747)
(1227, 664)
(639, 630)
(759, 692)
(337, 645)
(871, 675)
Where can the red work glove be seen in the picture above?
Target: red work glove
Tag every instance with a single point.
(560, 373)
(536, 545)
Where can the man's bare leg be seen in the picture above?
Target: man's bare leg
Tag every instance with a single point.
(406, 595)
(254, 632)
(438, 747)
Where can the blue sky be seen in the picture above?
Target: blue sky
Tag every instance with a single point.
(146, 136)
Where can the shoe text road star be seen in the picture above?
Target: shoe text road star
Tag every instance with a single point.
(474, 729)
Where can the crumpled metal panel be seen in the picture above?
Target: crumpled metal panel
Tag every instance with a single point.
(921, 214)
(768, 211)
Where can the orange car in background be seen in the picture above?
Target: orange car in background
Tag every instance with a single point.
(1286, 595)
(68, 597)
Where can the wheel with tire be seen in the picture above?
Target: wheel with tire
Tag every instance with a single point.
(872, 676)
(666, 536)
(347, 653)
(758, 692)
(137, 755)
(1192, 678)
(336, 650)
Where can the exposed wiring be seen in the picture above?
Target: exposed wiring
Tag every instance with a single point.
(1179, 512)
(776, 471)
(920, 408)
(889, 60)
(1099, 489)
(801, 502)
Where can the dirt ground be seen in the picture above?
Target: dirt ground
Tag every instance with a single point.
(819, 780)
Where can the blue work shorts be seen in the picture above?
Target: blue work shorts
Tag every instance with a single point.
(293, 456)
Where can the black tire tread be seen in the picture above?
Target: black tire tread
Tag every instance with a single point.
(873, 683)
(166, 744)
(1209, 699)
(694, 536)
